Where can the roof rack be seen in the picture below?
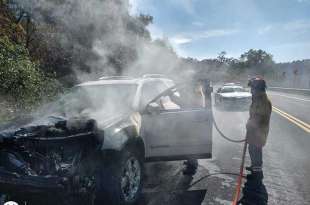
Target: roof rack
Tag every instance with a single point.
(115, 77)
(153, 76)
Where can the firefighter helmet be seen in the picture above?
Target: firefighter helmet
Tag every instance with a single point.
(258, 84)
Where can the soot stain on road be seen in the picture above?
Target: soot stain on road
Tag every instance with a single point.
(165, 184)
(174, 198)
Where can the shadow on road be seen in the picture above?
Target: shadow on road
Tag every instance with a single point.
(166, 185)
(174, 198)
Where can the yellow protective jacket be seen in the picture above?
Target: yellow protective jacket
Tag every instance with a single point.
(258, 124)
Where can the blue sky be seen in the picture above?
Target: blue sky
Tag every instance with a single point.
(204, 28)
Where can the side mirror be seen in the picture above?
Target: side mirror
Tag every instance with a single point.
(153, 108)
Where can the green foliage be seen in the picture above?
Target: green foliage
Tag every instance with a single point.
(221, 57)
(255, 58)
(252, 62)
(20, 78)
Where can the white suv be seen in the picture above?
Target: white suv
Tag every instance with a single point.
(134, 120)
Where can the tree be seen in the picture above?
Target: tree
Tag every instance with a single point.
(20, 78)
(256, 62)
(255, 58)
(221, 57)
(68, 37)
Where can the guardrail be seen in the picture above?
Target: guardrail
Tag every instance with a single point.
(291, 90)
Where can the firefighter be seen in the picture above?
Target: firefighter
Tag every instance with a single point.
(258, 124)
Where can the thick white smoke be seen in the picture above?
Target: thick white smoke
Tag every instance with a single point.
(104, 37)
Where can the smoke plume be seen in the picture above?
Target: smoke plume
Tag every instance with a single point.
(102, 37)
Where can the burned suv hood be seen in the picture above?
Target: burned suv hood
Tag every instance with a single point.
(28, 124)
(56, 126)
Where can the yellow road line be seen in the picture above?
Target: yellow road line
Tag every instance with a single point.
(294, 118)
(299, 123)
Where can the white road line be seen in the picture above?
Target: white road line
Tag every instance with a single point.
(291, 97)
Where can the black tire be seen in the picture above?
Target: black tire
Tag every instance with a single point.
(190, 167)
(110, 189)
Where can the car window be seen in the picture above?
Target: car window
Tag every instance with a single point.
(239, 89)
(227, 90)
(232, 89)
(192, 97)
(187, 97)
(150, 90)
(169, 83)
(167, 103)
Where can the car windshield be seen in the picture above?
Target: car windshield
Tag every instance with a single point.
(95, 98)
(232, 89)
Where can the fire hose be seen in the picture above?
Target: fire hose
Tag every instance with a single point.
(239, 182)
(250, 196)
(240, 175)
(241, 171)
(223, 135)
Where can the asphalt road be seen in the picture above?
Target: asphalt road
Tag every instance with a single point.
(286, 160)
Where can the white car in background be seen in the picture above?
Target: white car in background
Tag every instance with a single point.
(233, 95)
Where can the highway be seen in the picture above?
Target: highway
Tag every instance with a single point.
(286, 160)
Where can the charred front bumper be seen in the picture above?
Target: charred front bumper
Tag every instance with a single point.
(15, 183)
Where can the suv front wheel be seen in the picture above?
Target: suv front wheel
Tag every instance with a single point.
(122, 178)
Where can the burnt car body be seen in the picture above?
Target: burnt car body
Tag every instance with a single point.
(92, 147)
(232, 96)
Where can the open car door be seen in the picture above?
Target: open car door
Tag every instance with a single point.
(177, 125)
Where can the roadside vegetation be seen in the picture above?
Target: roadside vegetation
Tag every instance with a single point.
(23, 84)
